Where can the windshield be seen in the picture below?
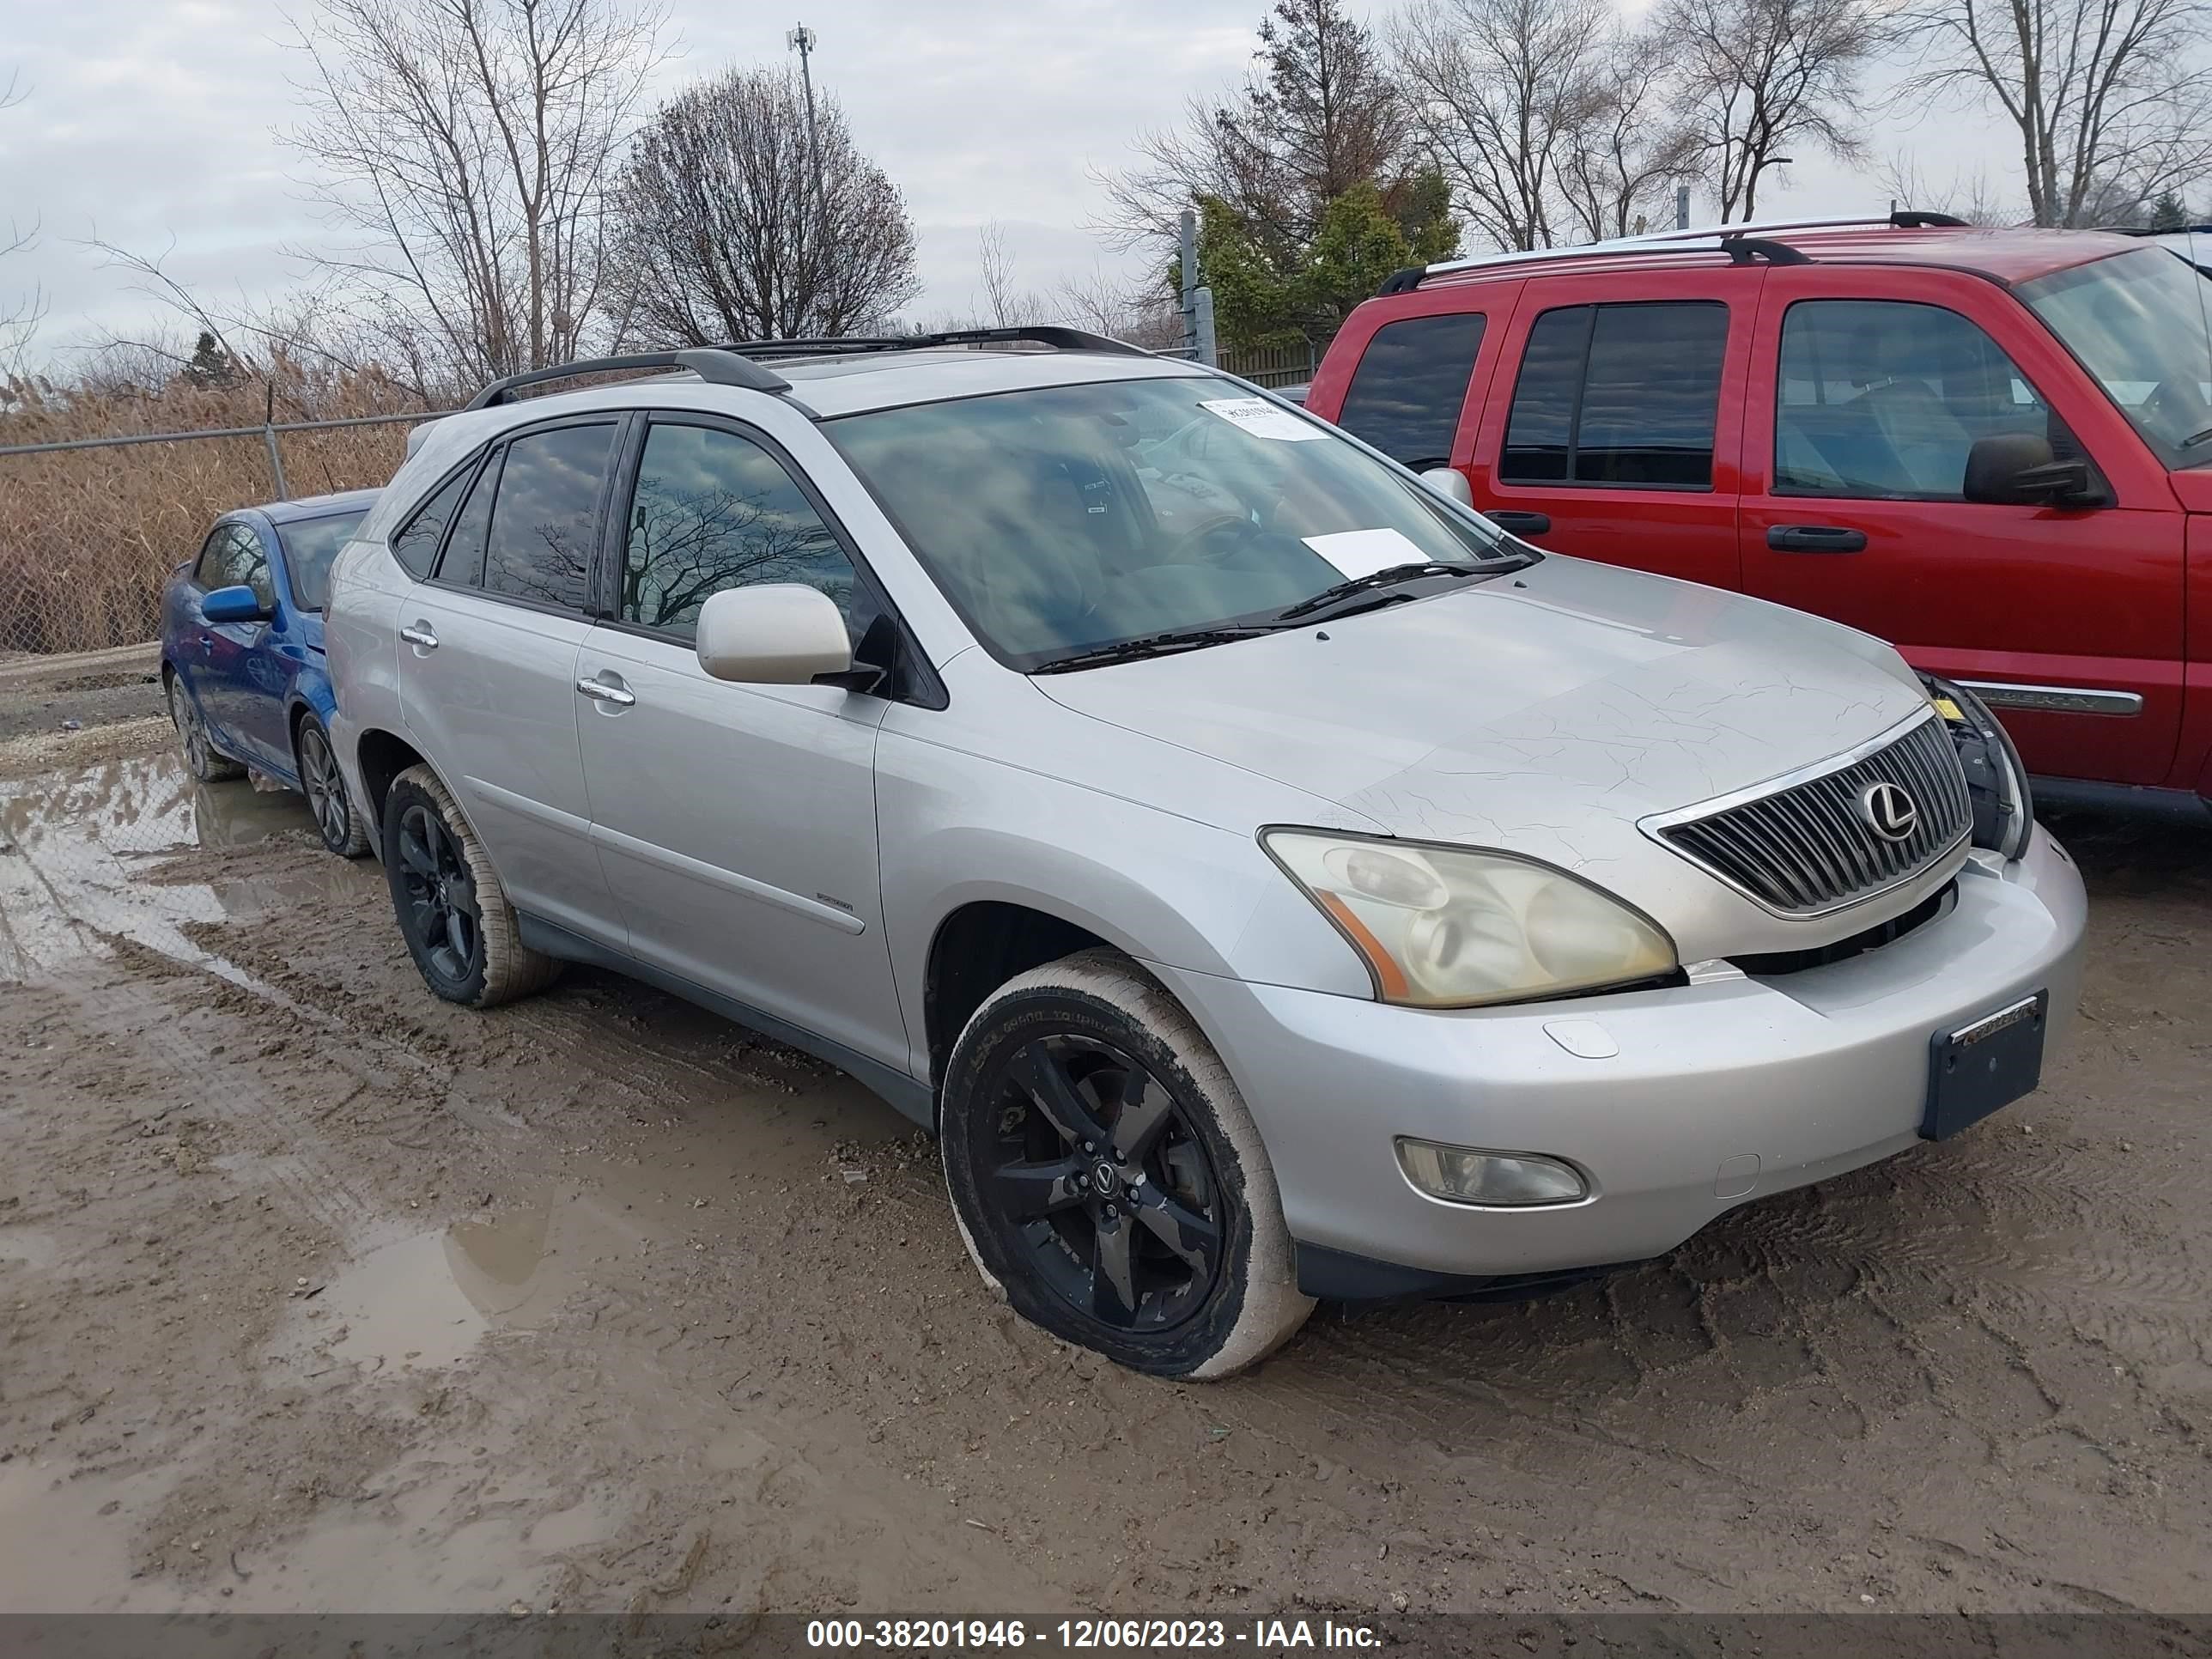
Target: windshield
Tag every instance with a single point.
(1069, 519)
(2142, 322)
(310, 545)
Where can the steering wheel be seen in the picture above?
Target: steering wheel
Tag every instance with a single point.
(2179, 404)
(1196, 538)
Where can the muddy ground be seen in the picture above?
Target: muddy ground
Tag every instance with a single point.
(317, 1293)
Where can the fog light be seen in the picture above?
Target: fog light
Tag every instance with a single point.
(1459, 1174)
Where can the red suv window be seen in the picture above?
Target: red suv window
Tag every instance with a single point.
(1405, 397)
(1618, 395)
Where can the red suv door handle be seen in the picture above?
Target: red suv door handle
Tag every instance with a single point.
(1520, 523)
(1815, 538)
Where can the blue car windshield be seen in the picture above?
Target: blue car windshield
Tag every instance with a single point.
(310, 545)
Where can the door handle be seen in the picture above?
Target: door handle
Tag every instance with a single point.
(1815, 538)
(1520, 523)
(207, 641)
(600, 691)
(420, 634)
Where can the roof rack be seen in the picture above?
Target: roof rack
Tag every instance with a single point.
(1049, 334)
(1740, 242)
(734, 364)
(716, 364)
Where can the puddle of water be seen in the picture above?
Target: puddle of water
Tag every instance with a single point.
(76, 843)
(58, 1551)
(21, 1247)
(425, 1301)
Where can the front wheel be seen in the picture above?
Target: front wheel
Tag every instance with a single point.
(202, 759)
(1108, 1177)
(452, 912)
(324, 785)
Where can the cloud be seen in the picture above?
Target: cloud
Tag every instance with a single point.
(155, 123)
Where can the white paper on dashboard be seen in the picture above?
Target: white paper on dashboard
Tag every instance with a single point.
(1364, 552)
(1262, 419)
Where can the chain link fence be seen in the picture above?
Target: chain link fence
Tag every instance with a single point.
(90, 527)
(92, 521)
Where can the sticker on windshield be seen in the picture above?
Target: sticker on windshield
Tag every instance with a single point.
(1364, 552)
(1262, 419)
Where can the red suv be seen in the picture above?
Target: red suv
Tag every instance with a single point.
(1993, 447)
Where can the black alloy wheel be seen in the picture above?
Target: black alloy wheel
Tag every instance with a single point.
(1094, 1174)
(438, 897)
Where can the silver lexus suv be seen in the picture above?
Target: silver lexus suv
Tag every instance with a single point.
(1270, 880)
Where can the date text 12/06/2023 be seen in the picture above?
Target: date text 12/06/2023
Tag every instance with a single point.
(1257, 1636)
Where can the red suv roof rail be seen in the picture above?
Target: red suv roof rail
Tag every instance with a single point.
(1740, 242)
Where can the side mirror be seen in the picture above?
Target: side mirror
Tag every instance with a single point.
(237, 604)
(1449, 483)
(781, 634)
(2015, 469)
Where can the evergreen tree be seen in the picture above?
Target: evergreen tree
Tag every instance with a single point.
(212, 366)
(2169, 212)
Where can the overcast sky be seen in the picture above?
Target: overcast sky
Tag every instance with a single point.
(153, 122)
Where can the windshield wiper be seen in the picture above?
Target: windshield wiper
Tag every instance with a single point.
(1386, 578)
(1152, 644)
(2197, 438)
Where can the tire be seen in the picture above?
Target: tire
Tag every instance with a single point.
(202, 758)
(1196, 1241)
(438, 871)
(342, 828)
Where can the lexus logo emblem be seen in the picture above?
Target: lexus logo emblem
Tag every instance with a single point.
(1888, 810)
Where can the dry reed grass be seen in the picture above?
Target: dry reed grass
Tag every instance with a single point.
(88, 537)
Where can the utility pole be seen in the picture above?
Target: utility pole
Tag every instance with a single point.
(802, 40)
(1189, 274)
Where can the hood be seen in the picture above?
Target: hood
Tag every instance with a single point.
(1542, 711)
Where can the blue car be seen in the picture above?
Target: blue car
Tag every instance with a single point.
(242, 653)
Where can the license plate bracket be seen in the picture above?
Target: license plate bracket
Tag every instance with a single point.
(1981, 1066)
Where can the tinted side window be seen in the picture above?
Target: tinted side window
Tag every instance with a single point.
(1884, 398)
(463, 561)
(1623, 394)
(544, 518)
(715, 510)
(415, 545)
(1540, 430)
(1406, 394)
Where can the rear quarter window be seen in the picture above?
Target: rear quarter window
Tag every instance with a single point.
(1406, 395)
(415, 544)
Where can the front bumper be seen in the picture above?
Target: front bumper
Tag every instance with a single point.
(1722, 1091)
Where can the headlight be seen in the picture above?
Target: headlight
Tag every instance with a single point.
(1449, 927)
(1997, 782)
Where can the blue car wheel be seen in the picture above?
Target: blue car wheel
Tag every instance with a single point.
(324, 785)
(202, 759)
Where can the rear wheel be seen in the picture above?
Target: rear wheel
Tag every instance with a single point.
(202, 759)
(452, 912)
(1108, 1177)
(324, 785)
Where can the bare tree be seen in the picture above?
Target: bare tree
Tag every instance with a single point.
(467, 144)
(1005, 304)
(1502, 91)
(19, 317)
(1143, 313)
(1967, 196)
(724, 235)
(1627, 152)
(1762, 76)
(2107, 97)
(1319, 113)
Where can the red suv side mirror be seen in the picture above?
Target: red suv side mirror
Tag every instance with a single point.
(2016, 469)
